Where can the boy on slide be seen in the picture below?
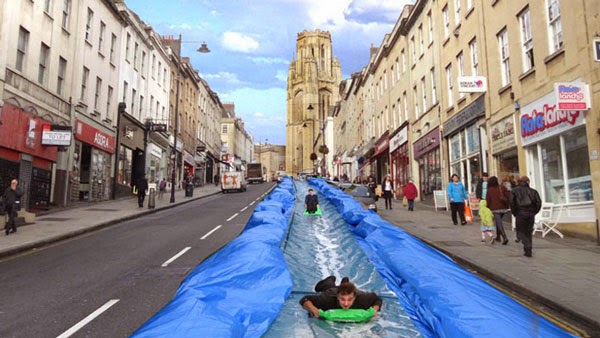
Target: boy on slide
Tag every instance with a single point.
(311, 202)
(343, 297)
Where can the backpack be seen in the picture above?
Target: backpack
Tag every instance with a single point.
(163, 185)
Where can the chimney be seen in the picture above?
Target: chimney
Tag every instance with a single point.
(373, 50)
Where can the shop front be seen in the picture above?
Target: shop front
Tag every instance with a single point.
(131, 164)
(189, 165)
(381, 157)
(558, 157)
(158, 157)
(24, 157)
(400, 158)
(426, 151)
(504, 150)
(464, 133)
(90, 176)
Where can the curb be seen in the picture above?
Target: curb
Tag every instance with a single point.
(583, 323)
(51, 240)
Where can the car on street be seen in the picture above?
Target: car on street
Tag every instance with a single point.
(361, 193)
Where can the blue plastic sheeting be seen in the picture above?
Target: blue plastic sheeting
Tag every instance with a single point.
(238, 291)
(442, 298)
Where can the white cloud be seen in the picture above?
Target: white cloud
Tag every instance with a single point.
(181, 26)
(282, 75)
(226, 77)
(238, 42)
(269, 60)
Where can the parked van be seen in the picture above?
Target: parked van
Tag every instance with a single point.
(233, 181)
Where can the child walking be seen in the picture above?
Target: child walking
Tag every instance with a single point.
(487, 222)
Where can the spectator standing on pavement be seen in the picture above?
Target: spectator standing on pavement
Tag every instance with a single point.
(388, 191)
(497, 200)
(162, 187)
(371, 184)
(487, 222)
(508, 183)
(410, 192)
(12, 197)
(525, 203)
(142, 186)
(457, 194)
(481, 189)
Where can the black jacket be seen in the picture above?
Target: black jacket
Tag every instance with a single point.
(12, 198)
(524, 199)
(479, 189)
(327, 300)
(311, 202)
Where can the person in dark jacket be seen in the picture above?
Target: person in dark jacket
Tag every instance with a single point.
(410, 192)
(525, 203)
(497, 200)
(142, 186)
(311, 202)
(345, 296)
(12, 197)
(481, 189)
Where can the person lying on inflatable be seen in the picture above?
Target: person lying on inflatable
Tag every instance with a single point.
(311, 202)
(344, 303)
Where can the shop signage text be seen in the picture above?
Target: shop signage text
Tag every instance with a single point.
(542, 119)
(399, 139)
(56, 135)
(90, 135)
(460, 120)
(503, 134)
(472, 84)
(427, 143)
(572, 96)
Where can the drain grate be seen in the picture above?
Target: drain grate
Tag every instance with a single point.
(100, 209)
(54, 219)
(452, 243)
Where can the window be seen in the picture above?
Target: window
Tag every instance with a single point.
(60, 81)
(526, 40)
(403, 62)
(474, 57)
(424, 94)
(421, 42)
(125, 87)
(460, 60)
(151, 104)
(101, 36)
(113, 44)
(65, 14)
(153, 69)
(133, 94)
(457, 12)
(97, 92)
(413, 49)
(47, 5)
(109, 95)
(164, 77)
(224, 129)
(159, 70)
(416, 100)
(469, 4)
(555, 35)
(127, 46)
(143, 67)
(135, 55)
(504, 57)
(142, 106)
(84, 80)
(404, 98)
(430, 26)
(22, 48)
(88, 25)
(44, 52)
(446, 22)
(449, 85)
(433, 87)
(397, 69)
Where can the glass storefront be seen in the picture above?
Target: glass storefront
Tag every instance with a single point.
(465, 158)
(125, 164)
(430, 172)
(400, 159)
(563, 163)
(507, 164)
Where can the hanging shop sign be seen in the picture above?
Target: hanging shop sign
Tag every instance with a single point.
(472, 84)
(399, 139)
(572, 96)
(503, 134)
(542, 119)
(90, 135)
(56, 135)
(470, 113)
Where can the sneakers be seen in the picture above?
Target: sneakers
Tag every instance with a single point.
(463, 223)
(325, 284)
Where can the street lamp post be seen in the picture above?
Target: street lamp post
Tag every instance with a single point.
(203, 49)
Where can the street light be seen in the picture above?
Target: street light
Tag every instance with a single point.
(203, 49)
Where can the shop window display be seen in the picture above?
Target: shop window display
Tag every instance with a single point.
(552, 169)
(578, 170)
(125, 162)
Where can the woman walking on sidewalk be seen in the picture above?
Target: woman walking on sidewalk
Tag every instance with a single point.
(388, 191)
(497, 200)
(457, 196)
(410, 192)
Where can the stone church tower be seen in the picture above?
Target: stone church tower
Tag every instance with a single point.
(312, 92)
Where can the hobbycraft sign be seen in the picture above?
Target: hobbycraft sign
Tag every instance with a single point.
(572, 96)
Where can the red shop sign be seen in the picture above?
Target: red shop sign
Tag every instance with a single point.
(88, 134)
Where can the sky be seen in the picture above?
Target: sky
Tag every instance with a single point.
(252, 44)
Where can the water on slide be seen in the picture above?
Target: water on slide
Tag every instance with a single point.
(318, 247)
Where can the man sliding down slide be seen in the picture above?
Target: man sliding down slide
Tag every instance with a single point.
(311, 203)
(341, 303)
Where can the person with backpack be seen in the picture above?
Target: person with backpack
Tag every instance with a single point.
(162, 187)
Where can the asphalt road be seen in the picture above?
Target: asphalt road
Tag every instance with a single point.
(120, 276)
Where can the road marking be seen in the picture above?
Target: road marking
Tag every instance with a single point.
(210, 232)
(232, 217)
(244, 209)
(258, 199)
(252, 202)
(88, 319)
(176, 256)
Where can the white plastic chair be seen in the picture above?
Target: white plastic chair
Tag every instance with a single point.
(547, 219)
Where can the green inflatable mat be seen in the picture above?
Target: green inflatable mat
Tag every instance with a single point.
(316, 213)
(350, 315)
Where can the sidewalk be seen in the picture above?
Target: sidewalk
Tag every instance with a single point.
(63, 224)
(563, 274)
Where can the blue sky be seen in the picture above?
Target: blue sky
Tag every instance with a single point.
(253, 42)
